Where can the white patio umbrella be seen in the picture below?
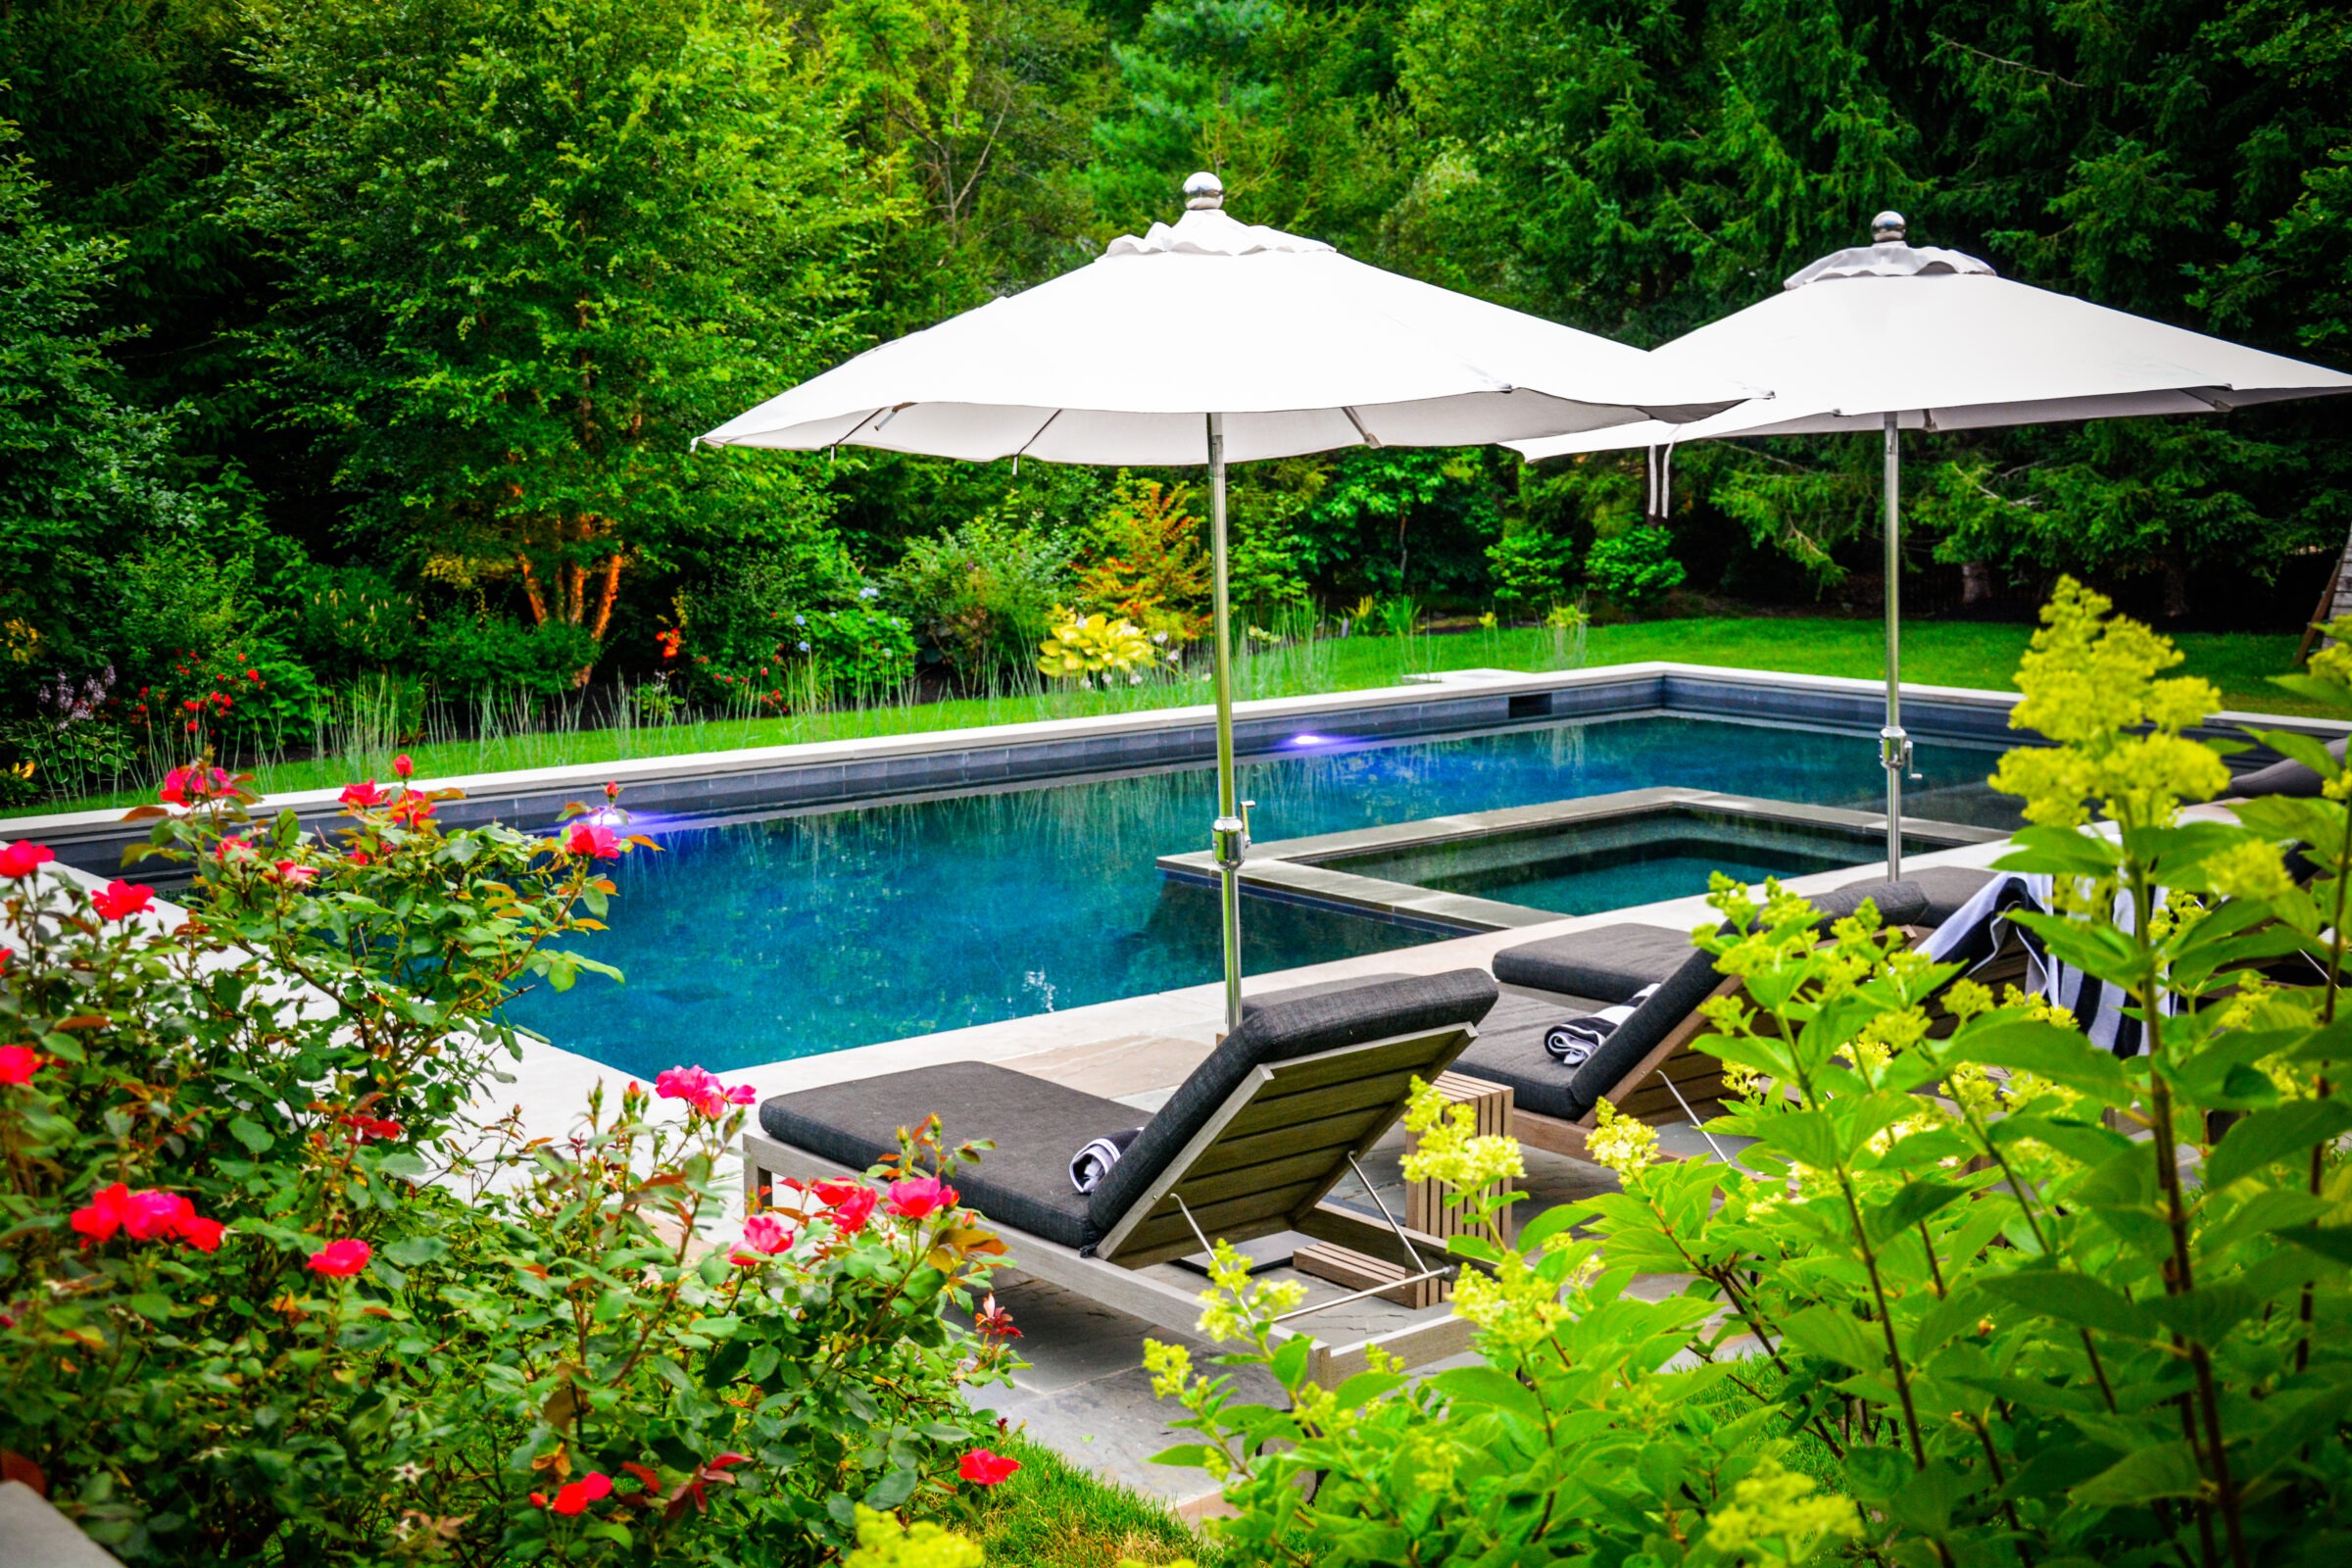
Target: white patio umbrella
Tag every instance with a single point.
(1213, 341)
(1892, 337)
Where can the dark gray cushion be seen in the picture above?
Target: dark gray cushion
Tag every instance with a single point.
(1301, 1027)
(1321, 987)
(1944, 888)
(2286, 777)
(1022, 1184)
(1509, 1049)
(1609, 962)
(1521, 1061)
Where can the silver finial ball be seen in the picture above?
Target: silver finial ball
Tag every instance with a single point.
(1887, 227)
(1203, 190)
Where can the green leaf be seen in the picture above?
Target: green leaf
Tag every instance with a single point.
(727, 1364)
(1907, 1208)
(1365, 1386)
(2164, 1470)
(2070, 1298)
(2036, 1045)
(1808, 1137)
(1190, 1455)
(896, 1487)
(1290, 1361)
(251, 1134)
(1836, 1334)
(1483, 1386)
(415, 1251)
(2268, 1136)
(2332, 1242)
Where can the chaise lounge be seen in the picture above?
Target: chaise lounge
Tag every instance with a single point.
(1647, 1068)
(1249, 1145)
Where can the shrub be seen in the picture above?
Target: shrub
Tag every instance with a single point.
(1146, 560)
(467, 655)
(982, 596)
(247, 695)
(1634, 569)
(272, 1295)
(1986, 1296)
(354, 621)
(1529, 570)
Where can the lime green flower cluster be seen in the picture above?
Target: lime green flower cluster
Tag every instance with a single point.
(1621, 1144)
(1451, 1149)
(1085, 646)
(2090, 684)
(884, 1542)
(1776, 1516)
(1236, 1306)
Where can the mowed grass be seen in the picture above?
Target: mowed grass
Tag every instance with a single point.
(1964, 654)
(1054, 1514)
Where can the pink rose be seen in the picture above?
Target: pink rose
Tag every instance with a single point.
(592, 839)
(338, 1259)
(919, 1198)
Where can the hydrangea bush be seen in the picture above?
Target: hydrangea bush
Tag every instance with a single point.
(1978, 1291)
(274, 1290)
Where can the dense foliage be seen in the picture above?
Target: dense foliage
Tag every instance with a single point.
(1971, 1295)
(365, 340)
(276, 1286)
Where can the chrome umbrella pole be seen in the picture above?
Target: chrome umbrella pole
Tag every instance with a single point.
(1894, 747)
(1231, 830)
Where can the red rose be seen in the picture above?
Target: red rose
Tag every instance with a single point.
(120, 900)
(852, 1203)
(920, 1198)
(17, 1064)
(293, 873)
(337, 1259)
(592, 839)
(590, 1487)
(402, 765)
(202, 1234)
(98, 1219)
(151, 1214)
(764, 1233)
(20, 860)
(360, 795)
(986, 1469)
(364, 1128)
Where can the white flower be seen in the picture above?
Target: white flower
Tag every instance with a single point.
(1159, 636)
(804, 648)
(869, 593)
(800, 621)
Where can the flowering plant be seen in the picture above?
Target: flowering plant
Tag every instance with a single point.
(1976, 1290)
(1085, 646)
(277, 1279)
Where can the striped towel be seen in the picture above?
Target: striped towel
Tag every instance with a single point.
(1574, 1039)
(1091, 1164)
(1979, 929)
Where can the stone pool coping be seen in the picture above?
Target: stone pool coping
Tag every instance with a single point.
(830, 774)
(1296, 870)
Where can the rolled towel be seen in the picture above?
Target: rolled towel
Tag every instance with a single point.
(1091, 1164)
(1572, 1039)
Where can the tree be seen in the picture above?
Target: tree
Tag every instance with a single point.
(532, 251)
(82, 472)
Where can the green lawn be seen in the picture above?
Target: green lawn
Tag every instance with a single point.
(1935, 652)
(1054, 1514)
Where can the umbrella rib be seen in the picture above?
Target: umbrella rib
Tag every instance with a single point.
(1370, 439)
(1034, 434)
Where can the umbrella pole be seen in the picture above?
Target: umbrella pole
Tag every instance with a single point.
(1231, 830)
(1894, 747)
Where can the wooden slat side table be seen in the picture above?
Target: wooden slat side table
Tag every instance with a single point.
(1425, 1207)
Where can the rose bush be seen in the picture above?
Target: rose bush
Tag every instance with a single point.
(274, 1288)
(1977, 1294)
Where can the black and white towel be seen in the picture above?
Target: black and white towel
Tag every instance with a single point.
(1091, 1164)
(1977, 930)
(1572, 1041)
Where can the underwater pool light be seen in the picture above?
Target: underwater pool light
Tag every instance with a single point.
(1310, 740)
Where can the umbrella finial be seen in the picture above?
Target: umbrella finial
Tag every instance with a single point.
(1887, 228)
(1204, 191)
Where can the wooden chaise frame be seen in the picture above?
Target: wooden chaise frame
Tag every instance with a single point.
(1265, 1162)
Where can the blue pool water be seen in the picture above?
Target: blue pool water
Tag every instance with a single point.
(789, 936)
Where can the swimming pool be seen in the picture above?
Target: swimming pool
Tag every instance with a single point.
(751, 941)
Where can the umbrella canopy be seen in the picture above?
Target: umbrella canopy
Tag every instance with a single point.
(1892, 337)
(1941, 342)
(1211, 341)
(1297, 347)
